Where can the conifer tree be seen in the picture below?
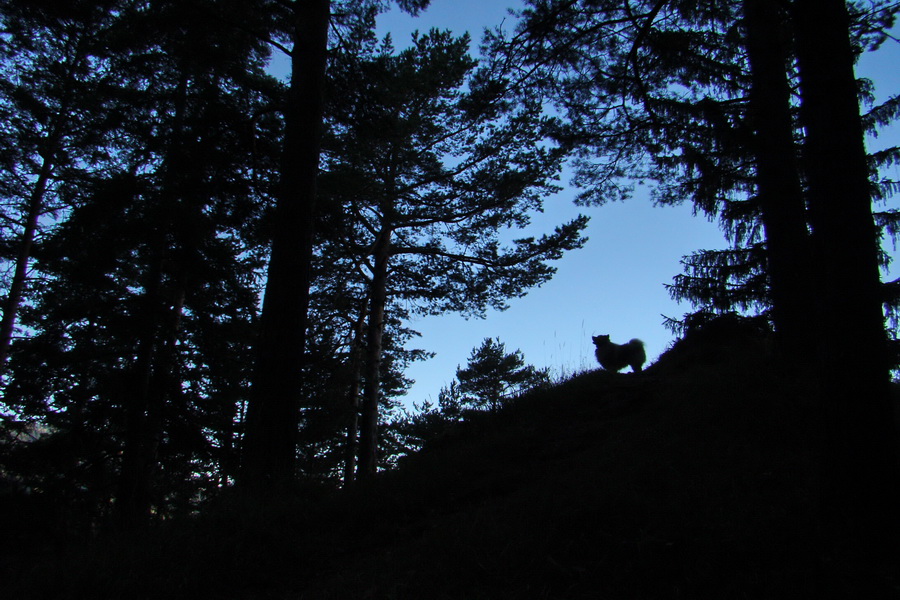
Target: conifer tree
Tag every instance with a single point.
(778, 179)
(333, 378)
(53, 57)
(430, 174)
(696, 99)
(861, 482)
(269, 446)
(493, 375)
(149, 291)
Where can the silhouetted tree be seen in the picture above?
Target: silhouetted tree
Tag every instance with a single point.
(333, 382)
(861, 480)
(778, 180)
(493, 375)
(137, 336)
(697, 99)
(53, 57)
(269, 447)
(657, 90)
(430, 174)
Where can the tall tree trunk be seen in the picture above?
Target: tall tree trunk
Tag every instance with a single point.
(17, 286)
(269, 445)
(48, 152)
(133, 493)
(156, 378)
(351, 450)
(145, 399)
(859, 482)
(368, 442)
(778, 179)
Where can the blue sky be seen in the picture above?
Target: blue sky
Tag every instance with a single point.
(615, 284)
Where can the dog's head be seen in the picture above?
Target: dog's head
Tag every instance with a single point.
(600, 340)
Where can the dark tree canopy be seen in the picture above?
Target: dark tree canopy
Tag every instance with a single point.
(132, 357)
(664, 92)
(152, 184)
(207, 274)
(427, 167)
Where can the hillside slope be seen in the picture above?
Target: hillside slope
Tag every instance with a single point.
(688, 479)
(693, 479)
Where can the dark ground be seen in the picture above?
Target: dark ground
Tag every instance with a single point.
(694, 479)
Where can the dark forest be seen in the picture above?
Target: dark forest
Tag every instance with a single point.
(208, 275)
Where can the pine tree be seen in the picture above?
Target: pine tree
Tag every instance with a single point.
(269, 447)
(429, 175)
(494, 375)
(655, 91)
(54, 61)
(149, 293)
(270, 438)
(778, 177)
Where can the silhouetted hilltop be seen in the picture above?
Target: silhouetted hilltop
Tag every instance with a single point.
(693, 479)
